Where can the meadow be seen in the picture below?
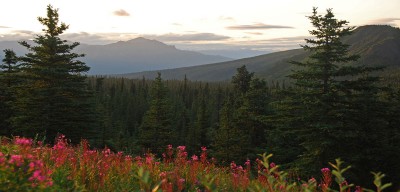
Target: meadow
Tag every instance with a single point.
(30, 165)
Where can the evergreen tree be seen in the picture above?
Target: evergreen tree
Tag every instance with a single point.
(241, 80)
(8, 81)
(230, 142)
(156, 130)
(326, 87)
(197, 135)
(54, 97)
(252, 113)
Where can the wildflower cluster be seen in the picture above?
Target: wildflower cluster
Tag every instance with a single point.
(20, 167)
(26, 165)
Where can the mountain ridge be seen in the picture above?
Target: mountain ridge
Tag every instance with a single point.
(134, 55)
(378, 45)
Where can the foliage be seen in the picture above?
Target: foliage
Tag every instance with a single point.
(53, 97)
(156, 128)
(26, 165)
(333, 103)
(8, 80)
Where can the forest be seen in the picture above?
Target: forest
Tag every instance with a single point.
(327, 109)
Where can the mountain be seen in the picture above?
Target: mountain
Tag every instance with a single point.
(135, 55)
(378, 45)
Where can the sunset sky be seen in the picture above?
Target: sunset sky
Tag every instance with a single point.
(206, 24)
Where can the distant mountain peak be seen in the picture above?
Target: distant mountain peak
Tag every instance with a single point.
(378, 45)
(141, 40)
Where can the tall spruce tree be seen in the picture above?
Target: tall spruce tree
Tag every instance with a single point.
(251, 115)
(8, 81)
(230, 142)
(327, 85)
(54, 97)
(156, 132)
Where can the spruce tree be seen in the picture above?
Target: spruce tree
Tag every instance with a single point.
(251, 115)
(8, 82)
(156, 132)
(230, 142)
(54, 97)
(327, 85)
(241, 81)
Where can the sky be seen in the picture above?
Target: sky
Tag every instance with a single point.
(262, 25)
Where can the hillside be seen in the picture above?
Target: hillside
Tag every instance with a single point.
(135, 55)
(377, 45)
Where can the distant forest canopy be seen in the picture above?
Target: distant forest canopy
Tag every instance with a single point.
(331, 108)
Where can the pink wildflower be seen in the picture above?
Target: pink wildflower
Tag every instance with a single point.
(233, 165)
(358, 189)
(23, 141)
(16, 159)
(163, 174)
(325, 170)
(181, 181)
(195, 158)
(247, 163)
(181, 148)
(2, 159)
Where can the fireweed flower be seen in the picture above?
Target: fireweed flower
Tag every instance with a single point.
(16, 159)
(181, 148)
(195, 158)
(247, 163)
(326, 179)
(233, 165)
(163, 174)
(23, 141)
(2, 159)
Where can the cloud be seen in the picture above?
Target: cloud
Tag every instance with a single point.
(171, 37)
(3, 27)
(121, 13)
(83, 37)
(257, 26)
(254, 33)
(26, 32)
(17, 35)
(384, 21)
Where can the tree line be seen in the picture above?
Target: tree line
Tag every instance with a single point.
(332, 109)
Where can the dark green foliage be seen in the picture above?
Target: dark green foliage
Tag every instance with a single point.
(231, 143)
(241, 81)
(242, 125)
(156, 131)
(334, 108)
(8, 81)
(53, 98)
(197, 137)
(252, 115)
